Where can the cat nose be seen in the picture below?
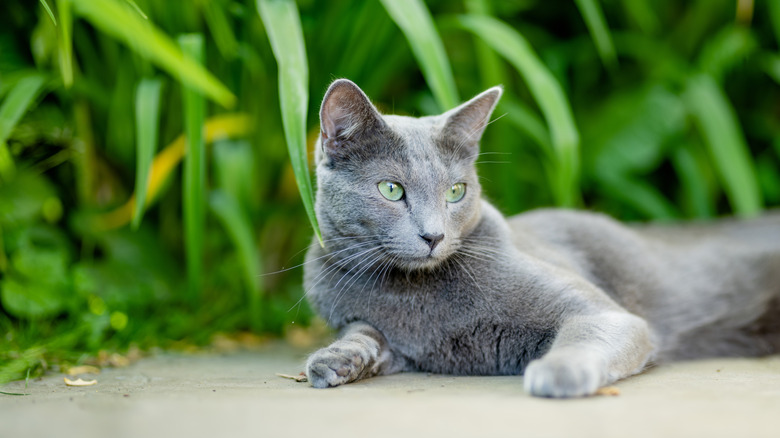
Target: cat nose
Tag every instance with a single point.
(432, 239)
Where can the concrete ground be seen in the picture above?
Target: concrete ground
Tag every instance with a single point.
(238, 394)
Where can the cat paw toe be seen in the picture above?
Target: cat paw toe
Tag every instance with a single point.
(562, 378)
(334, 366)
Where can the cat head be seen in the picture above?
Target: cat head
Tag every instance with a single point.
(396, 189)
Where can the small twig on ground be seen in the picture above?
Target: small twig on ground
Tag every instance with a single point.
(299, 378)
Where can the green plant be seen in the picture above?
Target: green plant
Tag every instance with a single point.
(646, 110)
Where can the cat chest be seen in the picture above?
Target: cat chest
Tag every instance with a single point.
(480, 348)
(459, 339)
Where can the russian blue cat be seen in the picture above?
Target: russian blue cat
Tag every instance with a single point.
(421, 274)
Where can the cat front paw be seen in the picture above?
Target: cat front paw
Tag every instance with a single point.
(564, 377)
(340, 363)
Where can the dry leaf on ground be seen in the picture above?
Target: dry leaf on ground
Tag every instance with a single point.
(79, 382)
(608, 390)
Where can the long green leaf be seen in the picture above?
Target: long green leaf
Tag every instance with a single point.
(14, 106)
(124, 24)
(239, 228)
(639, 194)
(47, 8)
(416, 23)
(597, 26)
(547, 92)
(194, 184)
(774, 16)
(771, 65)
(694, 183)
(65, 40)
(642, 14)
(147, 118)
(523, 117)
(283, 25)
(726, 144)
(489, 64)
(725, 50)
(220, 28)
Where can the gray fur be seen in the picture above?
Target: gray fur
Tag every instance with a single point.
(572, 300)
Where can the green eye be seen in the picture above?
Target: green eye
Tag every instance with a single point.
(456, 192)
(391, 190)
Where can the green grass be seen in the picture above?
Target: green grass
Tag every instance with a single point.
(415, 21)
(724, 139)
(194, 178)
(564, 137)
(646, 110)
(13, 108)
(284, 32)
(597, 26)
(147, 120)
(119, 21)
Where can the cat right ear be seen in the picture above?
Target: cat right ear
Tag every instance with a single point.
(346, 112)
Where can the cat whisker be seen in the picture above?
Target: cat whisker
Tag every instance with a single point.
(332, 269)
(331, 254)
(363, 266)
(479, 154)
(493, 162)
(478, 256)
(385, 271)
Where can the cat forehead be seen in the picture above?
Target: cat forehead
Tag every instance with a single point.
(414, 128)
(419, 137)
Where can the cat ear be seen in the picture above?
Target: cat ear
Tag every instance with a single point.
(346, 111)
(466, 123)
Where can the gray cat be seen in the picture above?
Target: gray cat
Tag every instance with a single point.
(422, 274)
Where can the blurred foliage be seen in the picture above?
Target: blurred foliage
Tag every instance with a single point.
(647, 110)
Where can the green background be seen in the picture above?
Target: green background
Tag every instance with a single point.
(643, 109)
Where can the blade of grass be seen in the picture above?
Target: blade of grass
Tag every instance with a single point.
(489, 64)
(283, 26)
(65, 41)
(119, 21)
(523, 117)
(642, 14)
(239, 228)
(47, 8)
(726, 49)
(547, 92)
(147, 119)
(416, 23)
(137, 9)
(694, 185)
(194, 184)
(774, 16)
(725, 142)
(220, 28)
(597, 26)
(14, 106)
(640, 195)
(223, 126)
(771, 65)
(14, 368)
(234, 171)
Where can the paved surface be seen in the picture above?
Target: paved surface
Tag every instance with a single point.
(238, 394)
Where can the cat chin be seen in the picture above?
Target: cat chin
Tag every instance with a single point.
(424, 264)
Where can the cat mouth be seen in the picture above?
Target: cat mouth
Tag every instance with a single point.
(427, 261)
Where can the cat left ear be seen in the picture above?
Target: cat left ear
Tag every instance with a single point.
(467, 122)
(346, 111)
